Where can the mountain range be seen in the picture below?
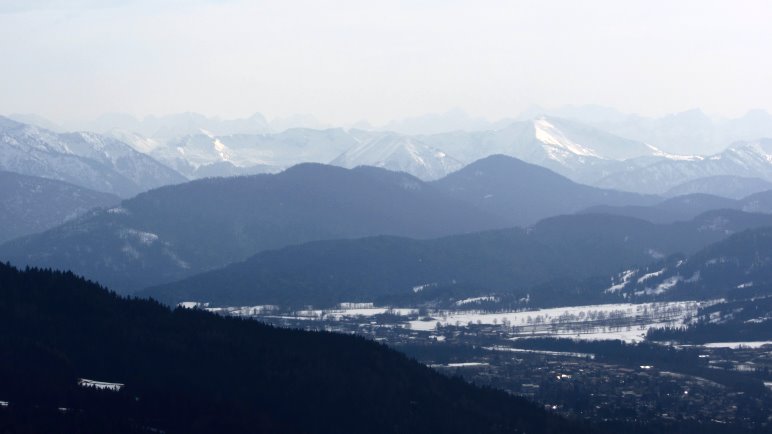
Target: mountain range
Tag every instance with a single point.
(691, 132)
(577, 151)
(177, 231)
(172, 232)
(400, 270)
(167, 233)
(590, 145)
(399, 153)
(746, 159)
(88, 160)
(271, 152)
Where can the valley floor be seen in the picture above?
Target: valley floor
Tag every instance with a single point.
(591, 362)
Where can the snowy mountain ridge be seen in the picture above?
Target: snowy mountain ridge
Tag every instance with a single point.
(399, 153)
(85, 159)
(742, 159)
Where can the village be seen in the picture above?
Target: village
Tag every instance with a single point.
(598, 381)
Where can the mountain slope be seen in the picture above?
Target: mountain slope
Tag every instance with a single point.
(670, 210)
(513, 261)
(187, 371)
(89, 160)
(737, 267)
(171, 232)
(729, 186)
(688, 206)
(399, 153)
(30, 204)
(746, 159)
(524, 193)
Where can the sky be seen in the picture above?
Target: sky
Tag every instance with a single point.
(344, 61)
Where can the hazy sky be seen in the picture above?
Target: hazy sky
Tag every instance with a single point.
(345, 61)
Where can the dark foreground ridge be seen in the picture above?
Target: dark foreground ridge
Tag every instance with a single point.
(187, 371)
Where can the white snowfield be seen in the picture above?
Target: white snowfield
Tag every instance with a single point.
(736, 345)
(619, 321)
(623, 321)
(459, 365)
(663, 287)
(145, 238)
(477, 300)
(548, 353)
(353, 305)
(555, 141)
(243, 310)
(102, 385)
(192, 304)
(420, 288)
(626, 275)
(648, 276)
(336, 314)
(367, 312)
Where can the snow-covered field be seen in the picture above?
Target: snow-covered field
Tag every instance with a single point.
(620, 321)
(624, 321)
(338, 314)
(549, 353)
(736, 345)
(101, 385)
(460, 365)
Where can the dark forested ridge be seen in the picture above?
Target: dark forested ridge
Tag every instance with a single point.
(523, 193)
(191, 371)
(736, 268)
(515, 261)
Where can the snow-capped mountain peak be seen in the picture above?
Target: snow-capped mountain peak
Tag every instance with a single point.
(85, 159)
(660, 153)
(401, 153)
(760, 149)
(552, 137)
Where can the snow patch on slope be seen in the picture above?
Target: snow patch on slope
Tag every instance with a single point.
(625, 276)
(555, 141)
